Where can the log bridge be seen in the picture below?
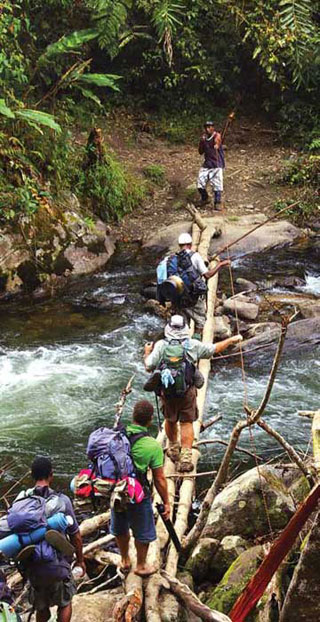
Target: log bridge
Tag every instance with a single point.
(181, 490)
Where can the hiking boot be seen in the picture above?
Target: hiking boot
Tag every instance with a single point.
(185, 464)
(59, 542)
(173, 451)
(202, 202)
(154, 382)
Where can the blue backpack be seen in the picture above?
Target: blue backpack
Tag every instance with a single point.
(27, 514)
(110, 452)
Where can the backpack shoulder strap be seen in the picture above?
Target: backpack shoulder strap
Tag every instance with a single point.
(133, 438)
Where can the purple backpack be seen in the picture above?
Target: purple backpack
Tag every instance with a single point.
(47, 565)
(27, 514)
(110, 452)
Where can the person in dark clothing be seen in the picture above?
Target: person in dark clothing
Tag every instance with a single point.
(51, 581)
(211, 170)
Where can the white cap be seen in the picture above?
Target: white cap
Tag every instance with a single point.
(177, 321)
(185, 238)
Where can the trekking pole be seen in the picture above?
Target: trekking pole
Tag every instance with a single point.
(170, 528)
(158, 412)
(120, 405)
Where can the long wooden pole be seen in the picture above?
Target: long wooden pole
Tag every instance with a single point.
(281, 547)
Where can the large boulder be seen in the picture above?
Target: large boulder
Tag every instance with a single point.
(223, 597)
(222, 328)
(240, 306)
(243, 498)
(302, 333)
(310, 309)
(166, 238)
(272, 234)
(199, 562)
(229, 549)
(95, 607)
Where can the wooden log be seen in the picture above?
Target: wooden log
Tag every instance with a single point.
(190, 601)
(288, 448)
(98, 544)
(187, 486)
(280, 548)
(90, 525)
(196, 216)
(105, 558)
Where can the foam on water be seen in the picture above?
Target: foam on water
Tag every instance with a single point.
(312, 285)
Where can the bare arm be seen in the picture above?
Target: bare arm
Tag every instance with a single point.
(76, 540)
(223, 345)
(147, 350)
(208, 275)
(217, 140)
(160, 483)
(201, 145)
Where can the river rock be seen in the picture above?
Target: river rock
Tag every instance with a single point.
(239, 305)
(270, 235)
(242, 498)
(95, 607)
(246, 285)
(301, 333)
(199, 563)
(166, 239)
(223, 597)
(229, 549)
(310, 309)
(302, 603)
(222, 328)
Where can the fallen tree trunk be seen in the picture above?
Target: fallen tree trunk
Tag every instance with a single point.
(98, 544)
(190, 601)
(90, 525)
(187, 486)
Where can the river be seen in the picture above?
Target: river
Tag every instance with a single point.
(64, 363)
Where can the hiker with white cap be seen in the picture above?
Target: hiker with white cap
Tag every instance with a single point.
(182, 280)
(176, 379)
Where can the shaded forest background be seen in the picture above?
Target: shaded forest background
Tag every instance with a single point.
(156, 65)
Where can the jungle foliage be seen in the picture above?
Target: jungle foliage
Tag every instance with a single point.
(64, 62)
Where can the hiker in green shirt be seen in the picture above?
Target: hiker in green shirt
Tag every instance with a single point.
(146, 453)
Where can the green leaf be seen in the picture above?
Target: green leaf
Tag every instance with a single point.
(5, 110)
(90, 95)
(38, 117)
(100, 79)
(70, 43)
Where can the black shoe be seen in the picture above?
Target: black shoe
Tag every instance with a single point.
(154, 382)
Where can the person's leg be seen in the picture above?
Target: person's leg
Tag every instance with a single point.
(201, 185)
(141, 520)
(187, 435)
(123, 544)
(171, 428)
(217, 186)
(119, 527)
(43, 615)
(65, 613)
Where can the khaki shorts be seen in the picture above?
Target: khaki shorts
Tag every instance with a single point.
(197, 313)
(58, 594)
(182, 409)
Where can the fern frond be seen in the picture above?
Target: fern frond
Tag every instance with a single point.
(109, 18)
(296, 17)
(166, 18)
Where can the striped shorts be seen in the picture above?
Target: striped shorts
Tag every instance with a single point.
(213, 176)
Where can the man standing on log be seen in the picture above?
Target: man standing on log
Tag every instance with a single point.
(176, 380)
(146, 453)
(211, 170)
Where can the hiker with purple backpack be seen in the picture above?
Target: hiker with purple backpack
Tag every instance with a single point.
(45, 563)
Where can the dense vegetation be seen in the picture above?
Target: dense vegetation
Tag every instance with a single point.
(64, 64)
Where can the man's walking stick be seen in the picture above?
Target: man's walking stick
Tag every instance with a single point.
(170, 528)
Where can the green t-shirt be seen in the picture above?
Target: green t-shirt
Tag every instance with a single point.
(146, 452)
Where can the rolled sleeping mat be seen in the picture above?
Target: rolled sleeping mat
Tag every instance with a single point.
(172, 288)
(12, 545)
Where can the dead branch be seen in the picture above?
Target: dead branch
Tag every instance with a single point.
(289, 449)
(120, 405)
(207, 424)
(190, 601)
(221, 442)
(98, 544)
(105, 558)
(128, 607)
(196, 216)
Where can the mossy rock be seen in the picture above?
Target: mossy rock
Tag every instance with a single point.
(229, 550)
(240, 509)
(199, 562)
(223, 597)
(300, 489)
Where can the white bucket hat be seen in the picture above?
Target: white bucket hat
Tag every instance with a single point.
(177, 328)
(184, 238)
